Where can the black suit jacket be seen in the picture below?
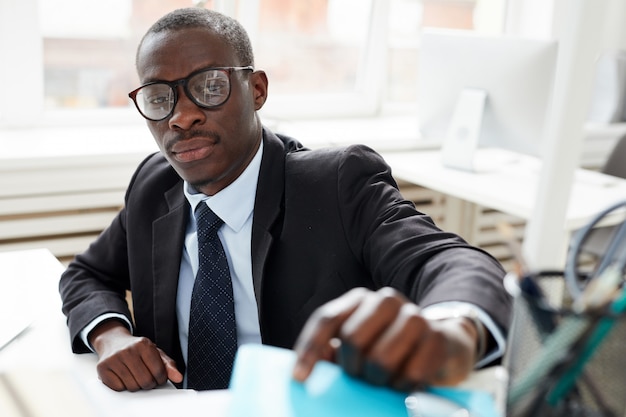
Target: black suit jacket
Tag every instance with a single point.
(325, 221)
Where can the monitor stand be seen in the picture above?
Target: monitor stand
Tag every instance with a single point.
(461, 142)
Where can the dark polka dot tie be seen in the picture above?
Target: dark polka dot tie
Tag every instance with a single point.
(212, 327)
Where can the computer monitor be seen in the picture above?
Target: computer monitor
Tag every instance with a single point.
(511, 77)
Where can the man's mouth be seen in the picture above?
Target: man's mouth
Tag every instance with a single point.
(192, 150)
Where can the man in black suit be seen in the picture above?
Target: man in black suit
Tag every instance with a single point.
(323, 252)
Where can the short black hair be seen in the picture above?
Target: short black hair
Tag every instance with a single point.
(195, 17)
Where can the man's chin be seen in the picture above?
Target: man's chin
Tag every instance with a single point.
(208, 186)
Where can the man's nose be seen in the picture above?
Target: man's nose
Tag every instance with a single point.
(186, 113)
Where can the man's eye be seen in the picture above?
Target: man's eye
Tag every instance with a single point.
(211, 88)
(157, 100)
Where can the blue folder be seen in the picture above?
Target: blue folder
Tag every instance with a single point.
(262, 386)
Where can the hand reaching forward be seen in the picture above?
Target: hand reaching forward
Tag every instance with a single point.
(382, 338)
(127, 362)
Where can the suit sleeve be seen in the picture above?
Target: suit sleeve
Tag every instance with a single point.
(95, 282)
(404, 249)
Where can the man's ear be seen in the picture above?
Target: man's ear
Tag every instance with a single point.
(259, 88)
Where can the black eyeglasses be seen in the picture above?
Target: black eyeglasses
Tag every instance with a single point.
(208, 87)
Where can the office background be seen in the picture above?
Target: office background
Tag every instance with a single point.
(345, 71)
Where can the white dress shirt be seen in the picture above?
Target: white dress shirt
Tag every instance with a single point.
(234, 205)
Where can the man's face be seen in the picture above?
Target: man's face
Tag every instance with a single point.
(210, 147)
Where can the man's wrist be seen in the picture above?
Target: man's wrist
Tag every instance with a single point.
(481, 334)
(470, 314)
(86, 332)
(108, 326)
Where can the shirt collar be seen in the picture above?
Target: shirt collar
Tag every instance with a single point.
(235, 203)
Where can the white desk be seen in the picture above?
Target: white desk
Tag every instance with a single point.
(506, 182)
(42, 354)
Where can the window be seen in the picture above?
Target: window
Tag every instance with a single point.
(349, 57)
(323, 57)
(318, 56)
(87, 53)
(89, 49)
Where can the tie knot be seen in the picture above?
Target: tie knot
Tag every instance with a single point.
(207, 222)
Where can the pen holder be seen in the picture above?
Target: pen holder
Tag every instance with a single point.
(552, 370)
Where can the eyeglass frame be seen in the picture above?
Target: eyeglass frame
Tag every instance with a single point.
(185, 83)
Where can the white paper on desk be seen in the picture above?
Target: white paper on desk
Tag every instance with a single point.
(26, 288)
(164, 401)
(18, 306)
(42, 393)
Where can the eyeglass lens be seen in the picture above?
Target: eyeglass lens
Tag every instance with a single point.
(208, 89)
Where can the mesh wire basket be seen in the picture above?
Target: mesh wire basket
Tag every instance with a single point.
(537, 358)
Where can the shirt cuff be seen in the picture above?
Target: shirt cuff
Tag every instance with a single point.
(84, 334)
(447, 309)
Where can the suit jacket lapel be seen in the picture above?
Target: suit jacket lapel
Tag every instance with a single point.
(268, 206)
(169, 234)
